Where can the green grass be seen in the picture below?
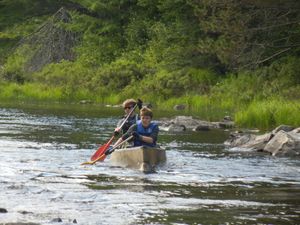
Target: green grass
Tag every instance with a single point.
(36, 92)
(29, 92)
(263, 114)
(199, 105)
(268, 114)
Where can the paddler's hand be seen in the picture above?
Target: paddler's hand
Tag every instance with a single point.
(139, 103)
(136, 136)
(109, 148)
(117, 131)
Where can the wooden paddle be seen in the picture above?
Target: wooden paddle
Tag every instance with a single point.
(102, 149)
(108, 152)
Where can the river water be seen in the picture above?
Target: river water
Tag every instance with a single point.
(41, 178)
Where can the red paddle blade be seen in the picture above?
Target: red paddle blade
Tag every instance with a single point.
(102, 157)
(102, 149)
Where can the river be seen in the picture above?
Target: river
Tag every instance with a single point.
(42, 181)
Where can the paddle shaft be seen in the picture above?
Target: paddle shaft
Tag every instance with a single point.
(102, 149)
(125, 120)
(107, 152)
(118, 145)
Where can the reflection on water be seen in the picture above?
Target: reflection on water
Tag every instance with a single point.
(202, 183)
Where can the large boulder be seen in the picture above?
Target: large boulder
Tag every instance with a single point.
(251, 141)
(284, 143)
(284, 140)
(258, 142)
(190, 123)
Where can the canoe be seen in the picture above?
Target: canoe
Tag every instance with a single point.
(142, 158)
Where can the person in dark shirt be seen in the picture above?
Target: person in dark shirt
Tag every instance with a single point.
(144, 132)
(128, 105)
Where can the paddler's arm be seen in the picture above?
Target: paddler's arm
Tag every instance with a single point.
(126, 135)
(152, 138)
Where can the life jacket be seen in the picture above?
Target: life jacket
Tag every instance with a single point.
(145, 132)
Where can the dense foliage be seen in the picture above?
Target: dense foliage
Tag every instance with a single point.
(218, 55)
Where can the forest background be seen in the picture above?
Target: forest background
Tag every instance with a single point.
(218, 57)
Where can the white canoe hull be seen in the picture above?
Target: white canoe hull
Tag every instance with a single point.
(141, 158)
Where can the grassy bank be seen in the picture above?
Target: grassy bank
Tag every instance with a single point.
(263, 114)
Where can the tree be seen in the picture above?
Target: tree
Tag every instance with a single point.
(247, 33)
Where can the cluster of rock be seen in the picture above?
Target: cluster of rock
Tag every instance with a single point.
(55, 220)
(284, 140)
(183, 123)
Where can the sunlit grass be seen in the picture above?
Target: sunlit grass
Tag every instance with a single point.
(264, 114)
(33, 92)
(268, 114)
(199, 105)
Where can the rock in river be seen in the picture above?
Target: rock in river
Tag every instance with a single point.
(284, 140)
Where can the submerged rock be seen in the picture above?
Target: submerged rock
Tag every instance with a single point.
(20, 223)
(56, 220)
(2, 210)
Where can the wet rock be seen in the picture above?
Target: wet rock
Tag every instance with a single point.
(239, 139)
(285, 128)
(226, 124)
(189, 122)
(227, 118)
(2, 210)
(296, 131)
(179, 107)
(56, 220)
(284, 140)
(258, 142)
(284, 143)
(182, 123)
(173, 128)
(201, 128)
(25, 212)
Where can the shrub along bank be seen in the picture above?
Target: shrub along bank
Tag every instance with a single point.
(217, 57)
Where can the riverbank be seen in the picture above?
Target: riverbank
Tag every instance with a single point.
(167, 56)
(262, 114)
